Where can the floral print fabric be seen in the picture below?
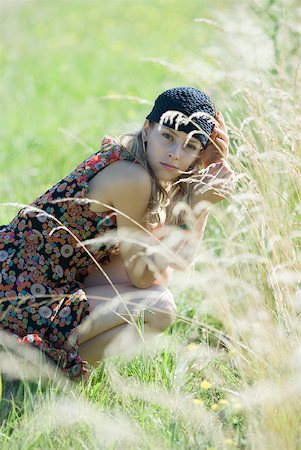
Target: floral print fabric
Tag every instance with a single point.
(43, 265)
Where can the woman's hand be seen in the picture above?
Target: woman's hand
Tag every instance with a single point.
(218, 146)
(218, 180)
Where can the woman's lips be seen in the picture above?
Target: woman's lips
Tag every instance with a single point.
(168, 166)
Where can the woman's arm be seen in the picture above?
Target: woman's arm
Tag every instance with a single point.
(127, 188)
(215, 182)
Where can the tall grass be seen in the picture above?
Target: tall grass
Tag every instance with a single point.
(227, 372)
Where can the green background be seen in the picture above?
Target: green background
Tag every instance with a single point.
(59, 58)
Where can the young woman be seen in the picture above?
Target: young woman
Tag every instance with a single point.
(84, 260)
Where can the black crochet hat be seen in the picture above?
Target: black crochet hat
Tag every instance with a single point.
(188, 101)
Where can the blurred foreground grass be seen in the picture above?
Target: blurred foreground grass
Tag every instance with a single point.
(227, 372)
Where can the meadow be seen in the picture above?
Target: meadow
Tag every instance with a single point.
(227, 373)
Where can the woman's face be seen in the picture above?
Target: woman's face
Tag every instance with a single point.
(167, 154)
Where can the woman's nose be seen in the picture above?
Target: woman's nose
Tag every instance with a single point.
(174, 151)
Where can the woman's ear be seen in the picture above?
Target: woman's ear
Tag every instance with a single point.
(146, 129)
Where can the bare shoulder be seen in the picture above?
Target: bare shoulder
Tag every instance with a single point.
(131, 180)
(119, 180)
(130, 172)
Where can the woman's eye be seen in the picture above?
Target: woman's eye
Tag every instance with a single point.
(167, 136)
(192, 147)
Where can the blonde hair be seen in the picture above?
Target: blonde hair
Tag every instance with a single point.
(164, 195)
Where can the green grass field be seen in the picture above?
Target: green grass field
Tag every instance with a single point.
(226, 375)
(58, 59)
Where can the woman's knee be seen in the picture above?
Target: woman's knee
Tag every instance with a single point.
(163, 311)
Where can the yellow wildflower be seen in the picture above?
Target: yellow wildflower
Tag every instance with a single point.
(192, 347)
(205, 384)
(215, 407)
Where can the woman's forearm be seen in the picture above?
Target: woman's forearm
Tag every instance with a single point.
(214, 184)
(176, 250)
(151, 269)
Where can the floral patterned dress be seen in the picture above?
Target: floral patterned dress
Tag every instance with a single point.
(43, 264)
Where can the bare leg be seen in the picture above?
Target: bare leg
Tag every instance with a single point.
(122, 339)
(112, 325)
